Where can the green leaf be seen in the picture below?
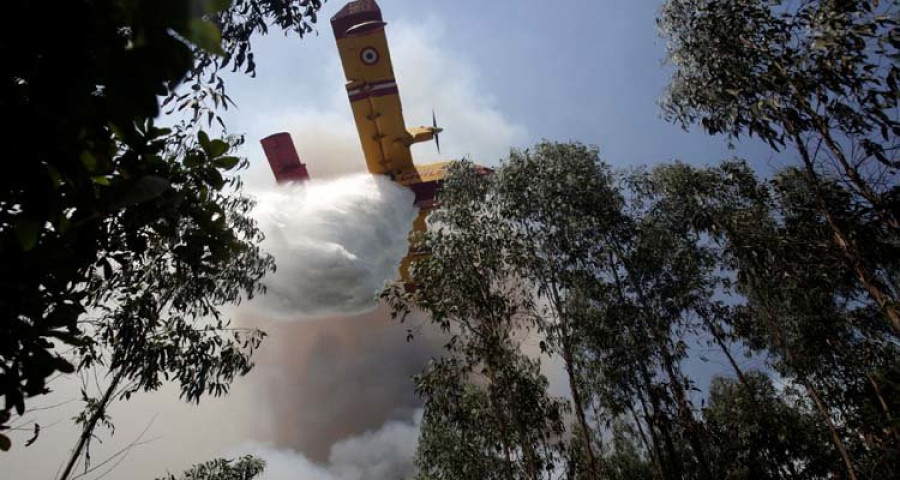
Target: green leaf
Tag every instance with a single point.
(206, 35)
(29, 231)
(215, 6)
(146, 188)
(101, 181)
(215, 179)
(217, 148)
(192, 161)
(203, 138)
(55, 177)
(88, 160)
(226, 163)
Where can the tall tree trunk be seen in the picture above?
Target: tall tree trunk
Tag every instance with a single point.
(871, 284)
(88, 431)
(674, 468)
(884, 407)
(501, 422)
(674, 460)
(811, 391)
(569, 360)
(717, 335)
(527, 447)
(682, 402)
(579, 406)
(604, 467)
(823, 410)
(766, 420)
(651, 449)
(691, 426)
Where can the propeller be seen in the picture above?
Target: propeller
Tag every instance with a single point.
(437, 130)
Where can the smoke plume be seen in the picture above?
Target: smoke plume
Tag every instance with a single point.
(383, 454)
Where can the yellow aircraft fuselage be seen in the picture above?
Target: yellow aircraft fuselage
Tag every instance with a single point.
(375, 100)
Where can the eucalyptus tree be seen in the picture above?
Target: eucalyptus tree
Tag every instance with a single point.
(656, 291)
(156, 312)
(797, 298)
(461, 436)
(559, 198)
(761, 434)
(627, 459)
(549, 243)
(487, 411)
(90, 185)
(817, 76)
(473, 428)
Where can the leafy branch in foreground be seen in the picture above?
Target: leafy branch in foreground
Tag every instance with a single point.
(158, 304)
(94, 188)
(244, 468)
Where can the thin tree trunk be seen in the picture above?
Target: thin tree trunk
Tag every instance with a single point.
(528, 451)
(686, 413)
(683, 406)
(721, 342)
(831, 426)
(662, 424)
(884, 213)
(884, 407)
(579, 407)
(604, 468)
(820, 406)
(88, 430)
(651, 450)
(871, 284)
(569, 360)
(527, 447)
(501, 422)
(852, 173)
(674, 459)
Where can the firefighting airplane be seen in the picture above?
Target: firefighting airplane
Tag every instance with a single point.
(375, 100)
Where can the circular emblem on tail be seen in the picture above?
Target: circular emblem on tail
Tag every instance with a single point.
(369, 56)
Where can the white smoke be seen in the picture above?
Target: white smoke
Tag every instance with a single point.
(335, 242)
(383, 454)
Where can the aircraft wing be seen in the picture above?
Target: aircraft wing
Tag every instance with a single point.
(372, 88)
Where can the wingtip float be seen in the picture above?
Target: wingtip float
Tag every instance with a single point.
(359, 30)
(283, 158)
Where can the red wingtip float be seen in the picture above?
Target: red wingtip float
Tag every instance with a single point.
(283, 158)
(359, 30)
